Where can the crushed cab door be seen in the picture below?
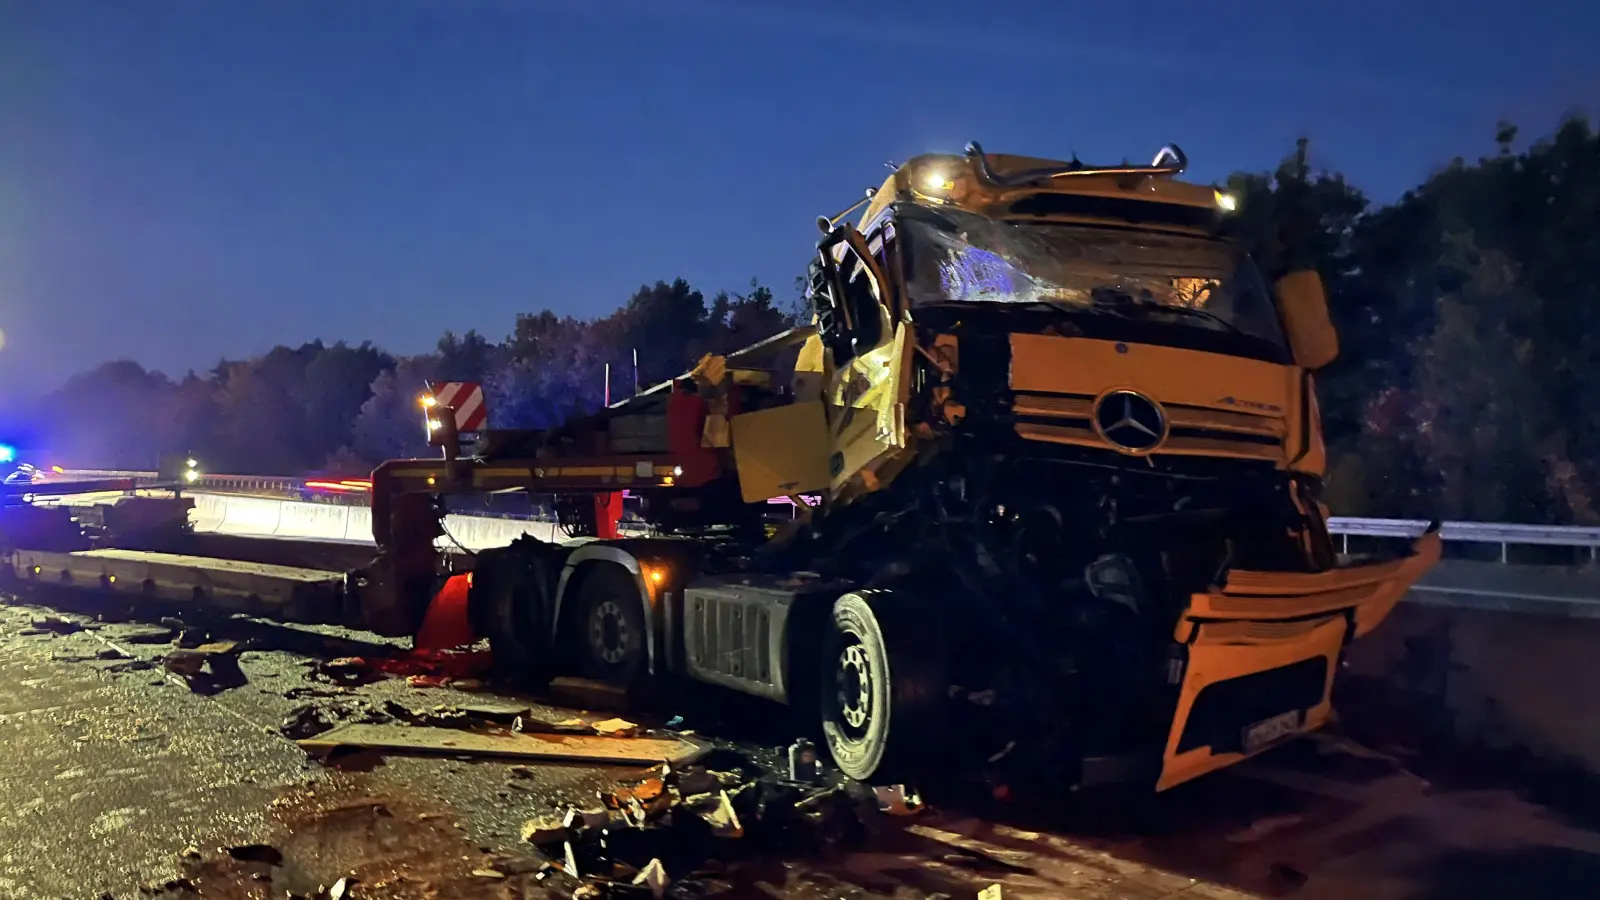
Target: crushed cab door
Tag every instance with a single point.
(866, 382)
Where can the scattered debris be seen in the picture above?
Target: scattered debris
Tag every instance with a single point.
(444, 665)
(992, 892)
(56, 625)
(187, 663)
(111, 653)
(705, 781)
(898, 800)
(265, 854)
(142, 634)
(219, 659)
(171, 886)
(718, 812)
(805, 765)
(310, 719)
(545, 831)
(299, 693)
(347, 670)
(306, 720)
(654, 877)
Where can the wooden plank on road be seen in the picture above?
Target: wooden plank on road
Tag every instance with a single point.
(574, 748)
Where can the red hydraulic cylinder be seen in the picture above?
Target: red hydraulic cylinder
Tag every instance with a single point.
(447, 623)
(607, 513)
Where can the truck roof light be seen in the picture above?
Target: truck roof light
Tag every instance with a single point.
(937, 181)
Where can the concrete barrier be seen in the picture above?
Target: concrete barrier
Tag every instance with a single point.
(250, 516)
(476, 532)
(359, 524)
(313, 521)
(209, 511)
(260, 517)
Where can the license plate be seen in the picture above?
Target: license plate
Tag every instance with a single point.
(1268, 731)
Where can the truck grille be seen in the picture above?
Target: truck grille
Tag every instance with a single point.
(1192, 430)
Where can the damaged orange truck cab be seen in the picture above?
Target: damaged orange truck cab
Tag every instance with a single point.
(1065, 452)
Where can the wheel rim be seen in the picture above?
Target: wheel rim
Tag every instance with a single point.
(853, 683)
(608, 633)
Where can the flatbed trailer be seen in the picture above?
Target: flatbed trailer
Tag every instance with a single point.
(284, 593)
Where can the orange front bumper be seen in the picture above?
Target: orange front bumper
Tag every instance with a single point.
(1262, 653)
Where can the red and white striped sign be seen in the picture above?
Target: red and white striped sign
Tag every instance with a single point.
(466, 398)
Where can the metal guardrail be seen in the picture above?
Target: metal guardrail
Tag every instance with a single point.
(260, 483)
(1506, 535)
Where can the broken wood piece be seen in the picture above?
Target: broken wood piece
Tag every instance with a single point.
(555, 747)
(616, 728)
(717, 811)
(654, 877)
(527, 723)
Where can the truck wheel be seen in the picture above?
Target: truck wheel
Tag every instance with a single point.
(882, 683)
(610, 626)
(508, 602)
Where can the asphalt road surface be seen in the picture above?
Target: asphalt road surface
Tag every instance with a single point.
(116, 774)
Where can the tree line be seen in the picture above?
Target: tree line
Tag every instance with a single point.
(1467, 311)
(341, 409)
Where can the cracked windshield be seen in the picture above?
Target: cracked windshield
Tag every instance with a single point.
(1146, 276)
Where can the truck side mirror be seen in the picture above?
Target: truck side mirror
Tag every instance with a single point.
(1304, 307)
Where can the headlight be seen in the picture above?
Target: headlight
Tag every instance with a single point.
(936, 181)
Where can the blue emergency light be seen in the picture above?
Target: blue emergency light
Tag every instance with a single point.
(8, 453)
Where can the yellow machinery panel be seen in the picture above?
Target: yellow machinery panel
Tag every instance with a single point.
(781, 451)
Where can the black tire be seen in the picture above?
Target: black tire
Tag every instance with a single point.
(508, 606)
(608, 627)
(882, 684)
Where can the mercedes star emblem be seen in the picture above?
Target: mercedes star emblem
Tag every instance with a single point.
(1130, 421)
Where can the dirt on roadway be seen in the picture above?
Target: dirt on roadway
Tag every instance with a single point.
(121, 779)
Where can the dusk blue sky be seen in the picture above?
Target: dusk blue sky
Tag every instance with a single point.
(182, 181)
